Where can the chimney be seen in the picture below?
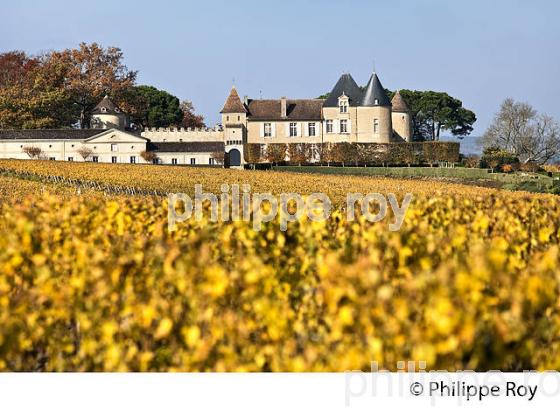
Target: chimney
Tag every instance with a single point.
(283, 107)
(246, 100)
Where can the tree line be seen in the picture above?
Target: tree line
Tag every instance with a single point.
(59, 89)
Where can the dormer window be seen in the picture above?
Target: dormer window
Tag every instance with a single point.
(103, 109)
(343, 104)
(376, 101)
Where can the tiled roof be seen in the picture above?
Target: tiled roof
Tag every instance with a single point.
(210, 146)
(399, 104)
(295, 110)
(62, 134)
(375, 94)
(347, 86)
(233, 103)
(106, 106)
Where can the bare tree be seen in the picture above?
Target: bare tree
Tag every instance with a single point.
(517, 128)
(85, 152)
(32, 151)
(543, 142)
(219, 157)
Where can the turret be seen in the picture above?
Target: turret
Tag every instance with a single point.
(234, 112)
(107, 115)
(374, 113)
(234, 121)
(402, 121)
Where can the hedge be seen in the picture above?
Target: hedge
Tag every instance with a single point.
(345, 153)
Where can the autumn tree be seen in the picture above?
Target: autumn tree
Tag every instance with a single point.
(190, 118)
(91, 72)
(14, 67)
(32, 94)
(253, 153)
(275, 153)
(327, 153)
(345, 152)
(297, 153)
(149, 156)
(364, 153)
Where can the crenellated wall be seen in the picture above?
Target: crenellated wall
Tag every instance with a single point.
(184, 134)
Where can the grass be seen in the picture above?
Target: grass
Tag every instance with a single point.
(519, 181)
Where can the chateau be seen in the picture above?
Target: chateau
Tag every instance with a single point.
(348, 114)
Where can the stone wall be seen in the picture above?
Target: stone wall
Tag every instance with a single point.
(184, 134)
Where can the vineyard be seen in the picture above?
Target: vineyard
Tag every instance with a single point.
(92, 280)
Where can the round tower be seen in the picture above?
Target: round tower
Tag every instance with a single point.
(402, 121)
(107, 115)
(374, 113)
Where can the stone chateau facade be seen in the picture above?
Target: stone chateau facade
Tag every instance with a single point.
(349, 114)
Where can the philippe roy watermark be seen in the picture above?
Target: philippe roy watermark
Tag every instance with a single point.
(461, 387)
(235, 203)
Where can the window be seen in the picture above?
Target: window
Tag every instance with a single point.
(211, 161)
(227, 118)
(329, 126)
(70, 158)
(50, 146)
(293, 129)
(376, 126)
(133, 159)
(113, 160)
(132, 147)
(343, 126)
(103, 109)
(95, 159)
(267, 129)
(311, 129)
(376, 101)
(239, 118)
(173, 161)
(343, 106)
(193, 161)
(113, 147)
(52, 159)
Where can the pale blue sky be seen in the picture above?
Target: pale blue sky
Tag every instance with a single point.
(480, 51)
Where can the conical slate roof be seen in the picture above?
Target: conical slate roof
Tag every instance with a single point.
(347, 86)
(233, 103)
(106, 106)
(375, 94)
(399, 104)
